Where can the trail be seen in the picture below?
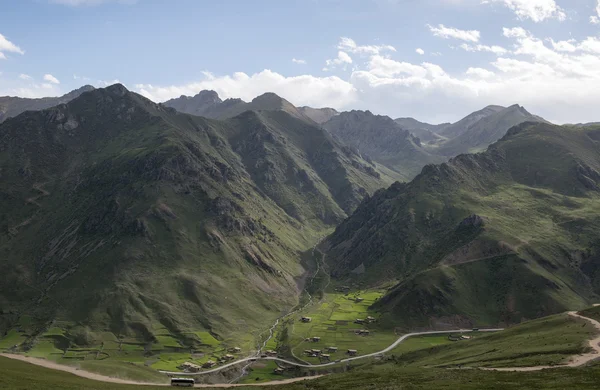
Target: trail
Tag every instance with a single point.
(575, 361)
(101, 378)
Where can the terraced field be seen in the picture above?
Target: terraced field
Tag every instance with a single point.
(333, 320)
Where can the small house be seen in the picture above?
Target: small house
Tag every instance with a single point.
(278, 371)
(359, 321)
(332, 349)
(325, 356)
(370, 319)
(189, 367)
(235, 350)
(315, 339)
(306, 319)
(209, 364)
(271, 353)
(352, 352)
(315, 351)
(465, 337)
(358, 299)
(229, 357)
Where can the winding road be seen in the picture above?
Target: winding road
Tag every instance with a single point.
(323, 365)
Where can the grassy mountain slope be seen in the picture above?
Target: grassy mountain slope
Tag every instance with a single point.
(382, 140)
(12, 106)
(486, 131)
(492, 238)
(121, 215)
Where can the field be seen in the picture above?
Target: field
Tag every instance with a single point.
(546, 341)
(332, 319)
(15, 375)
(126, 358)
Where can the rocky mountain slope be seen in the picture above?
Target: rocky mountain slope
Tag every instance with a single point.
(319, 115)
(479, 135)
(208, 104)
(121, 215)
(381, 139)
(12, 106)
(486, 239)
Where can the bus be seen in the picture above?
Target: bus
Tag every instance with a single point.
(182, 382)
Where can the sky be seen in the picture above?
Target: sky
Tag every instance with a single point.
(434, 60)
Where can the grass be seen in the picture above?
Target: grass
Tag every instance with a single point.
(12, 338)
(262, 372)
(546, 341)
(15, 375)
(332, 319)
(130, 371)
(421, 342)
(390, 376)
(592, 312)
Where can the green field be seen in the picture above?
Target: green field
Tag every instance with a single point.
(390, 376)
(332, 319)
(546, 341)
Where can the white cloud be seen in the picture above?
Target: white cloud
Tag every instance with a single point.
(536, 10)
(515, 32)
(8, 46)
(595, 19)
(499, 50)
(420, 51)
(298, 61)
(342, 59)
(51, 79)
(480, 73)
(349, 45)
(301, 90)
(24, 76)
(450, 32)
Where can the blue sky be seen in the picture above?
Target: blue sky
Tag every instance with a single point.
(363, 54)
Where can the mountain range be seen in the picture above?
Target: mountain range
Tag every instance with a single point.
(193, 215)
(11, 106)
(485, 239)
(164, 221)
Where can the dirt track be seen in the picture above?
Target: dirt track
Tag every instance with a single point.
(576, 360)
(97, 377)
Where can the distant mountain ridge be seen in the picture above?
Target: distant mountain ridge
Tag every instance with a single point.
(210, 105)
(382, 140)
(485, 239)
(12, 106)
(488, 129)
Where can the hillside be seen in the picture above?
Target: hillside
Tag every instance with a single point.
(12, 106)
(318, 115)
(455, 129)
(381, 139)
(479, 135)
(209, 105)
(485, 239)
(123, 217)
(426, 132)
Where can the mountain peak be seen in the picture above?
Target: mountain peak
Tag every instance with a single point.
(269, 98)
(118, 89)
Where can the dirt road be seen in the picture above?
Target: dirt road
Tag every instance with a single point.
(575, 361)
(97, 377)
